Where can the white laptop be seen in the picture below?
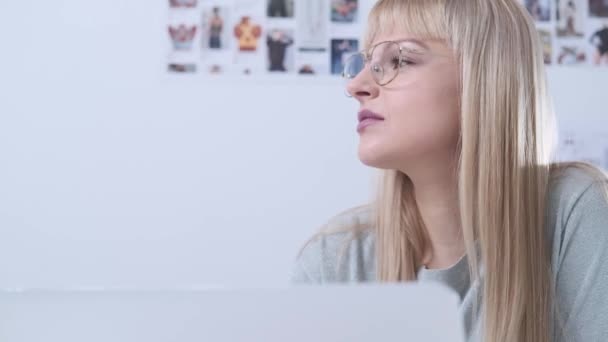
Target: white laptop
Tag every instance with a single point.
(353, 313)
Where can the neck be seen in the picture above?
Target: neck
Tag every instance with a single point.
(436, 195)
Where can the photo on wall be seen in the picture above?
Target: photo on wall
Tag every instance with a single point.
(598, 8)
(312, 25)
(540, 10)
(183, 3)
(313, 63)
(570, 18)
(598, 39)
(341, 50)
(247, 33)
(216, 33)
(571, 54)
(182, 68)
(215, 69)
(280, 50)
(307, 69)
(182, 36)
(344, 11)
(280, 8)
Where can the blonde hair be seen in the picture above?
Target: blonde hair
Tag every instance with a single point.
(504, 169)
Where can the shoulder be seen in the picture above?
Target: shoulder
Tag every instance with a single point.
(577, 207)
(343, 251)
(579, 217)
(573, 188)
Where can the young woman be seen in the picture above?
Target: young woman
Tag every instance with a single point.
(455, 112)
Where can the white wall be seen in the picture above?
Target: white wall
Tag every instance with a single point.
(113, 174)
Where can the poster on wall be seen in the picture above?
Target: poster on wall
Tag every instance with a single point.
(344, 11)
(573, 32)
(182, 31)
(540, 10)
(260, 37)
(314, 37)
(598, 39)
(280, 8)
(280, 50)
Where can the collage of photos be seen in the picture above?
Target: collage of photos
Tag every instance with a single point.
(315, 37)
(573, 32)
(273, 37)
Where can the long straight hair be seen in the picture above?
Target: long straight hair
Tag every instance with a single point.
(506, 143)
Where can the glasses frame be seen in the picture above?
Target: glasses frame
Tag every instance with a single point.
(367, 58)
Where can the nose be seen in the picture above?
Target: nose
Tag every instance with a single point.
(363, 87)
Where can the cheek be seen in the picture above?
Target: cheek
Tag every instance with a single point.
(428, 110)
(426, 119)
(422, 121)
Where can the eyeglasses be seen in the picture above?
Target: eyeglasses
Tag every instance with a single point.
(385, 60)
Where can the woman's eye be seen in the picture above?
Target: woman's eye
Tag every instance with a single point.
(405, 62)
(397, 62)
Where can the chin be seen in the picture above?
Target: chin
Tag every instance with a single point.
(374, 159)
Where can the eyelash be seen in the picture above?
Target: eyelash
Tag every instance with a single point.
(403, 60)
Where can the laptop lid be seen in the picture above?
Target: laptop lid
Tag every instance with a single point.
(331, 313)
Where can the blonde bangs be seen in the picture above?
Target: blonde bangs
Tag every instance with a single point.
(422, 19)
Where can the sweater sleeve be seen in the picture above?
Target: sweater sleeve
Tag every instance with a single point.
(306, 267)
(342, 257)
(582, 269)
(316, 263)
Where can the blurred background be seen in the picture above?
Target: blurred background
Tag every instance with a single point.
(116, 172)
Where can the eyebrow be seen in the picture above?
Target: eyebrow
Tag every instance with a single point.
(415, 41)
(419, 43)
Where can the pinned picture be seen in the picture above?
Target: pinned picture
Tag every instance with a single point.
(598, 8)
(545, 37)
(247, 34)
(182, 36)
(215, 69)
(344, 11)
(570, 18)
(540, 10)
(215, 35)
(280, 51)
(571, 54)
(280, 8)
(182, 67)
(312, 26)
(313, 63)
(341, 50)
(599, 41)
(183, 3)
(306, 69)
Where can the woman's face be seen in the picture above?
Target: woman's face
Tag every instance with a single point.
(419, 107)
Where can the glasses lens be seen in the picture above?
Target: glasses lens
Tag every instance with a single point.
(353, 65)
(385, 62)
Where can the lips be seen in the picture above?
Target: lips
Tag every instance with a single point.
(368, 118)
(368, 114)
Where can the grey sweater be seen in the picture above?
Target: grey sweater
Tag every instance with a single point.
(577, 225)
